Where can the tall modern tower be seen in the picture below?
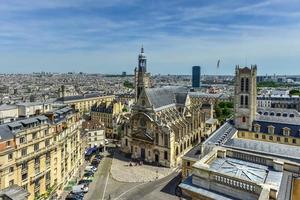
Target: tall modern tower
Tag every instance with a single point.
(196, 77)
(142, 79)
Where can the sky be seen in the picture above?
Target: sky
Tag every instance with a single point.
(105, 36)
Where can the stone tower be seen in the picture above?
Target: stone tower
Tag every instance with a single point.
(141, 75)
(245, 97)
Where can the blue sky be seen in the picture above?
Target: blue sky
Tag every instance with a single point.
(104, 36)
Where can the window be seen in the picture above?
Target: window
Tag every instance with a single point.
(270, 137)
(10, 156)
(294, 141)
(256, 135)
(22, 140)
(286, 131)
(126, 142)
(242, 84)
(166, 140)
(8, 143)
(246, 101)
(188, 164)
(271, 129)
(11, 169)
(286, 140)
(244, 119)
(165, 155)
(156, 138)
(36, 147)
(34, 135)
(47, 142)
(247, 85)
(263, 137)
(278, 139)
(24, 176)
(24, 152)
(242, 100)
(11, 182)
(257, 128)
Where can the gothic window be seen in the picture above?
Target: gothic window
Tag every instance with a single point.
(247, 85)
(156, 138)
(244, 119)
(176, 151)
(246, 101)
(166, 140)
(242, 100)
(242, 84)
(143, 122)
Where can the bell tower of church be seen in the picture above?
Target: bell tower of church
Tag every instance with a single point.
(245, 97)
(141, 75)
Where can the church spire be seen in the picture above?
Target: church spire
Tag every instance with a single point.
(142, 49)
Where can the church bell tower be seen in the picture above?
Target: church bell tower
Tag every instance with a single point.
(141, 75)
(245, 97)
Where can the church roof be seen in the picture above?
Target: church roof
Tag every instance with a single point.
(161, 97)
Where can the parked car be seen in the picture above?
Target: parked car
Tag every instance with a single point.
(85, 181)
(95, 162)
(88, 174)
(90, 168)
(74, 197)
(78, 189)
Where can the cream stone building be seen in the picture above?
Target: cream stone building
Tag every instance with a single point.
(107, 113)
(41, 153)
(83, 103)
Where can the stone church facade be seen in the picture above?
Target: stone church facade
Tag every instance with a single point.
(162, 125)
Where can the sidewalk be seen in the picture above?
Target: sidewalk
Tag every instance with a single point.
(121, 171)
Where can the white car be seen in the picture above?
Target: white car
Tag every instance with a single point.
(80, 189)
(90, 168)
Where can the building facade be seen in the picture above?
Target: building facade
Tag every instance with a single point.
(41, 153)
(196, 77)
(162, 126)
(107, 113)
(83, 103)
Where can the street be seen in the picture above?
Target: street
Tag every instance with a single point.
(105, 187)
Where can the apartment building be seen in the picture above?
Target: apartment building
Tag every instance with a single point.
(83, 103)
(41, 153)
(107, 113)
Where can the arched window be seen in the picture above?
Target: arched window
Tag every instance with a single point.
(244, 119)
(242, 84)
(242, 100)
(247, 85)
(246, 101)
(176, 151)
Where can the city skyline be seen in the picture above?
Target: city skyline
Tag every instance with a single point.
(105, 37)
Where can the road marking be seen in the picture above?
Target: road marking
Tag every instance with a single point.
(130, 189)
(105, 186)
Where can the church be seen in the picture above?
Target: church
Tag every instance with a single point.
(163, 125)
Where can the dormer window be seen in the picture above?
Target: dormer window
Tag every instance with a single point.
(271, 129)
(286, 131)
(257, 128)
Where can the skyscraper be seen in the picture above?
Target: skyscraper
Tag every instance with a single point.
(196, 77)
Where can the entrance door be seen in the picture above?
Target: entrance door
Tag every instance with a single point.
(143, 153)
(156, 158)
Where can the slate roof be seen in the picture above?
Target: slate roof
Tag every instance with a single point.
(205, 95)
(164, 96)
(7, 107)
(278, 127)
(6, 130)
(194, 153)
(278, 110)
(78, 97)
(14, 192)
(266, 148)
